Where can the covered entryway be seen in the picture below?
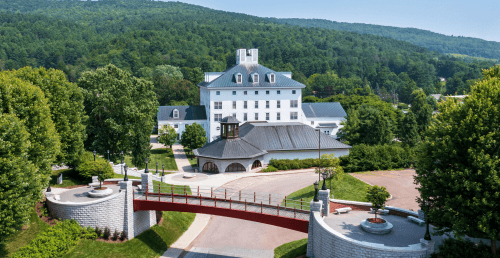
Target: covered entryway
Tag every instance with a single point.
(235, 167)
(210, 167)
(256, 164)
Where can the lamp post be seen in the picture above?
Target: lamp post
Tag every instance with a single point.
(156, 168)
(324, 181)
(316, 184)
(319, 154)
(162, 172)
(94, 154)
(125, 168)
(108, 155)
(146, 170)
(121, 153)
(49, 189)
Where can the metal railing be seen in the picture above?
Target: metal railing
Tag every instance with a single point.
(272, 204)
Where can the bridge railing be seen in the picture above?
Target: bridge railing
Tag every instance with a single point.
(229, 198)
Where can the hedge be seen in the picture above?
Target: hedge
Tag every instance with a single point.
(378, 157)
(55, 241)
(287, 164)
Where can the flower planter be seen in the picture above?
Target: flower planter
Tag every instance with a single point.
(380, 227)
(100, 192)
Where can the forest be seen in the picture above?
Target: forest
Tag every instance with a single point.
(141, 36)
(424, 38)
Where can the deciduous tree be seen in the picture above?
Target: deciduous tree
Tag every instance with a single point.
(377, 195)
(408, 130)
(167, 135)
(194, 136)
(366, 125)
(421, 109)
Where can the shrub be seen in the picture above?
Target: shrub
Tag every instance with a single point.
(378, 157)
(89, 233)
(53, 242)
(451, 248)
(115, 235)
(98, 232)
(106, 233)
(123, 236)
(377, 195)
(269, 169)
(88, 168)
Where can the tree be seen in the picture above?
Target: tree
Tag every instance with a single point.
(377, 195)
(194, 136)
(458, 163)
(65, 100)
(121, 110)
(100, 167)
(366, 125)
(18, 190)
(408, 130)
(331, 166)
(421, 109)
(167, 135)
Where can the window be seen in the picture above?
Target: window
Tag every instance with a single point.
(267, 103)
(234, 92)
(293, 91)
(256, 104)
(256, 92)
(245, 104)
(278, 116)
(294, 103)
(267, 116)
(267, 92)
(278, 104)
(218, 128)
(234, 115)
(234, 104)
(245, 117)
(218, 105)
(245, 93)
(278, 92)
(176, 113)
(293, 115)
(239, 78)
(272, 78)
(217, 117)
(256, 116)
(217, 93)
(312, 122)
(255, 78)
(176, 126)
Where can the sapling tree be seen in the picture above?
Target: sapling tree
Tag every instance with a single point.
(377, 195)
(167, 135)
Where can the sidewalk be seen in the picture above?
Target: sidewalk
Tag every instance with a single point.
(176, 249)
(181, 159)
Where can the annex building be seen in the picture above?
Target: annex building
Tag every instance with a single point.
(265, 103)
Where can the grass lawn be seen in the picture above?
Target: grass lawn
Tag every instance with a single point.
(163, 156)
(22, 238)
(151, 243)
(348, 188)
(191, 157)
(291, 249)
(70, 178)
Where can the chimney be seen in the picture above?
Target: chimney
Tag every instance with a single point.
(244, 56)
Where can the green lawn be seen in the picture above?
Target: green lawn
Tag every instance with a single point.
(22, 238)
(151, 243)
(291, 249)
(70, 178)
(163, 156)
(191, 157)
(348, 188)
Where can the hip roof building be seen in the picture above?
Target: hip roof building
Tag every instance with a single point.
(254, 95)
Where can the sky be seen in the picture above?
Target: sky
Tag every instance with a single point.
(469, 18)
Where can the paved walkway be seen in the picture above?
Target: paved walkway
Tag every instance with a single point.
(177, 248)
(181, 159)
(154, 142)
(399, 183)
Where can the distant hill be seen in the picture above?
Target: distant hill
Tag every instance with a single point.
(473, 47)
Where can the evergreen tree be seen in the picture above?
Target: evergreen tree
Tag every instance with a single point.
(409, 130)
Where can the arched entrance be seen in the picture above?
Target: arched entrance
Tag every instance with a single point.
(256, 164)
(235, 167)
(210, 167)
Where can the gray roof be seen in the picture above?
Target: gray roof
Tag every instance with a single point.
(229, 149)
(323, 109)
(227, 79)
(185, 113)
(286, 136)
(334, 125)
(229, 120)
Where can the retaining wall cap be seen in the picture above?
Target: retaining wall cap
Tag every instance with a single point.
(402, 210)
(381, 247)
(86, 203)
(352, 202)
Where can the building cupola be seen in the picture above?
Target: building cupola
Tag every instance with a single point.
(247, 56)
(230, 128)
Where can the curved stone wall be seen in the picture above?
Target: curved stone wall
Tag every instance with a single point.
(330, 243)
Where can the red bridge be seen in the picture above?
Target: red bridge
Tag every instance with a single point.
(286, 213)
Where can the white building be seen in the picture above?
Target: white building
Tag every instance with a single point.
(251, 92)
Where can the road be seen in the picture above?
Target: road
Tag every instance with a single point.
(229, 237)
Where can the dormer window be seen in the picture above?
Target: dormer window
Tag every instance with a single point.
(271, 77)
(255, 77)
(176, 113)
(239, 78)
